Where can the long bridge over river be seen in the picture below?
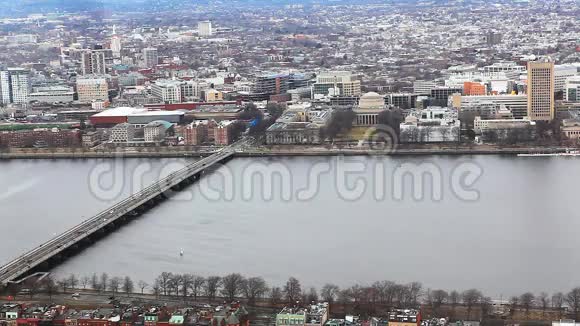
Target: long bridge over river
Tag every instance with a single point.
(50, 253)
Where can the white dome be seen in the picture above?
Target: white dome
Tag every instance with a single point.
(372, 100)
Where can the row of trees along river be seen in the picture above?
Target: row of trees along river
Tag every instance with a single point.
(362, 299)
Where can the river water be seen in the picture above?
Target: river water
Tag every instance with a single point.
(502, 224)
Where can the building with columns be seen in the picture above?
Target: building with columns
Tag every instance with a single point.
(367, 112)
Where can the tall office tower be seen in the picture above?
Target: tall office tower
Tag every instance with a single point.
(541, 90)
(492, 38)
(116, 43)
(15, 85)
(150, 57)
(93, 62)
(204, 28)
(4, 87)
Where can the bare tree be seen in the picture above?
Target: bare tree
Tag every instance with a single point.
(114, 284)
(329, 292)
(558, 303)
(63, 284)
(485, 306)
(454, 299)
(196, 285)
(312, 295)
(163, 282)
(544, 302)
(232, 285)
(174, 282)
(104, 281)
(414, 291)
(254, 288)
(438, 298)
(527, 301)
(95, 282)
(276, 295)
(186, 280)
(356, 293)
(514, 303)
(49, 286)
(292, 290)
(573, 300)
(32, 285)
(73, 281)
(142, 285)
(128, 286)
(345, 296)
(211, 287)
(156, 288)
(470, 298)
(85, 280)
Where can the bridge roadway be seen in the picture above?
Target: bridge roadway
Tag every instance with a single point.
(24, 264)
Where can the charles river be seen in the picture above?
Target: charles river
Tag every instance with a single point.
(502, 224)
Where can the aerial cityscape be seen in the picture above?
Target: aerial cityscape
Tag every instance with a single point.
(289, 162)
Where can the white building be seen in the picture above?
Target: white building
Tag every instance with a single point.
(204, 28)
(424, 86)
(167, 90)
(561, 74)
(92, 89)
(116, 43)
(4, 87)
(122, 133)
(504, 66)
(572, 89)
(480, 125)
(434, 124)
(154, 132)
(14, 86)
(518, 104)
(193, 89)
(336, 83)
(52, 94)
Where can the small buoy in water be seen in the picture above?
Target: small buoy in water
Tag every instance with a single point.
(181, 253)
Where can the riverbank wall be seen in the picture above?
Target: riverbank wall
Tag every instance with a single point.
(184, 152)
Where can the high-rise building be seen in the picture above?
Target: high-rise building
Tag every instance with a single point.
(4, 87)
(14, 85)
(93, 62)
(541, 90)
(116, 43)
(337, 83)
(150, 57)
(92, 89)
(492, 38)
(204, 28)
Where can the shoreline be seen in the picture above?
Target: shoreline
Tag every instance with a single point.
(272, 152)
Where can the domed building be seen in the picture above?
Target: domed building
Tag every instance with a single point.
(372, 100)
(367, 112)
